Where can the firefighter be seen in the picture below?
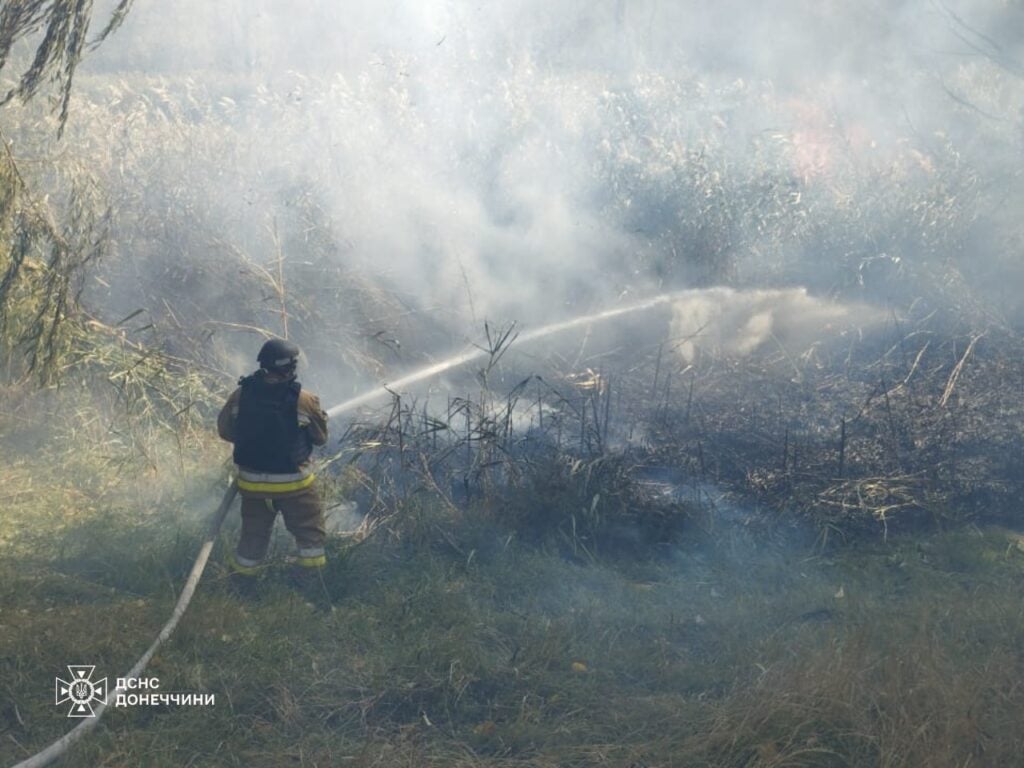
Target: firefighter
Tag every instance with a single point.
(274, 424)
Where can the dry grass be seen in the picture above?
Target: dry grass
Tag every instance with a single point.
(524, 602)
(453, 643)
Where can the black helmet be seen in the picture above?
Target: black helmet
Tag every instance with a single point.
(278, 354)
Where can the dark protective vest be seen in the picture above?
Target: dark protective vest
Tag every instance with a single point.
(268, 437)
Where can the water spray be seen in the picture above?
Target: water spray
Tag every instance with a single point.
(476, 353)
(758, 306)
(57, 749)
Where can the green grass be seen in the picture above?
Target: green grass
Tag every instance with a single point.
(452, 643)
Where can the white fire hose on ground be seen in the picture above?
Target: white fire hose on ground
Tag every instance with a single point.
(64, 743)
(57, 749)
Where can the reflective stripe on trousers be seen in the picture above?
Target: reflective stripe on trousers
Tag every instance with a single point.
(244, 565)
(270, 482)
(312, 557)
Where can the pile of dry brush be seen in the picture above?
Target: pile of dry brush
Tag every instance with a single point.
(917, 423)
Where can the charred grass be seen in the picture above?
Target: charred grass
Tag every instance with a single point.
(598, 570)
(541, 587)
(452, 641)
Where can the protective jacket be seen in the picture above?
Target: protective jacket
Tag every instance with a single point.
(274, 425)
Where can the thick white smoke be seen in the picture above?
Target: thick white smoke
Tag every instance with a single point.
(530, 151)
(738, 323)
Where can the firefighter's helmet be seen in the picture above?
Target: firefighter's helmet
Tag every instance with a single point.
(278, 354)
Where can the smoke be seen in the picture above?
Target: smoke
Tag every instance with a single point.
(532, 160)
(741, 322)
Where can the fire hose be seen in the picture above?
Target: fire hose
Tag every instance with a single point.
(57, 749)
(61, 745)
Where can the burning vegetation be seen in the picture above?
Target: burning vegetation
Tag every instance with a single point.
(699, 441)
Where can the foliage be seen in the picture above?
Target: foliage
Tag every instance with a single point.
(735, 651)
(563, 571)
(42, 269)
(65, 26)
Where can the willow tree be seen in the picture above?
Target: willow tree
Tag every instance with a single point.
(64, 29)
(42, 261)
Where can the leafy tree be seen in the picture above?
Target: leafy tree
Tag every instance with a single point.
(64, 25)
(41, 263)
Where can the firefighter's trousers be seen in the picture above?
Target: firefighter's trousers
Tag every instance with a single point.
(303, 514)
